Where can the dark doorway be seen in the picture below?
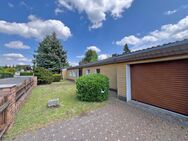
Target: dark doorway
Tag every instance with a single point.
(98, 70)
(80, 72)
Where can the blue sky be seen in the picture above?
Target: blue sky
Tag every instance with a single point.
(102, 25)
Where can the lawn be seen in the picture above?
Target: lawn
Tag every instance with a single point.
(35, 114)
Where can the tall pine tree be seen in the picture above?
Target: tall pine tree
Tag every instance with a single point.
(50, 54)
(126, 49)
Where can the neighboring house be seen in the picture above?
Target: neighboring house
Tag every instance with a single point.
(157, 76)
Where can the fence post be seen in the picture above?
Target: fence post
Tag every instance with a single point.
(35, 81)
(11, 109)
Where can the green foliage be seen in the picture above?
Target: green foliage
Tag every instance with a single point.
(90, 56)
(26, 73)
(6, 72)
(92, 87)
(10, 70)
(56, 77)
(23, 67)
(126, 49)
(50, 54)
(5, 75)
(44, 76)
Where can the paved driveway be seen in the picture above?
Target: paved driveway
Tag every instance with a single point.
(117, 121)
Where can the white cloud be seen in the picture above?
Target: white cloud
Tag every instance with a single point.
(24, 4)
(36, 28)
(80, 56)
(22, 63)
(10, 5)
(73, 64)
(97, 10)
(17, 45)
(57, 11)
(103, 56)
(171, 12)
(93, 48)
(13, 55)
(129, 40)
(167, 33)
(14, 59)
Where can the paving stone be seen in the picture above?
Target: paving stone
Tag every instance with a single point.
(115, 121)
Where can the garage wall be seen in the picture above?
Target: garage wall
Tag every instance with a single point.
(121, 71)
(64, 74)
(109, 70)
(121, 79)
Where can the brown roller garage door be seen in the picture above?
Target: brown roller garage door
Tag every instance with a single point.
(162, 84)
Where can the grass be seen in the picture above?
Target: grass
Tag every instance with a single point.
(35, 114)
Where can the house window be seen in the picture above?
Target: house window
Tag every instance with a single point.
(97, 70)
(88, 71)
(74, 74)
(70, 73)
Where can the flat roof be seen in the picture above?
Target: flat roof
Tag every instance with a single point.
(165, 50)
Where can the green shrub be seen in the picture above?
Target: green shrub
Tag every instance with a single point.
(6, 72)
(56, 77)
(9, 70)
(44, 76)
(92, 87)
(26, 73)
(6, 75)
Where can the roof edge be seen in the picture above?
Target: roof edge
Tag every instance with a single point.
(168, 49)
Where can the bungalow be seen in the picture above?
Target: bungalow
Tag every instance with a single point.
(156, 76)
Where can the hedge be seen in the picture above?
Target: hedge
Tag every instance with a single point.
(26, 73)
(92, 87)
(44, 76)
(6, 75)
(56, 77)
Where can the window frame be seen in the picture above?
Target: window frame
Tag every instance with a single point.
(87, 71)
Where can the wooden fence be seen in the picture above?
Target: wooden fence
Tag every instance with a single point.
(4, 103)
(11, 98)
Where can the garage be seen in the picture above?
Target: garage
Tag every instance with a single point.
(161, 84)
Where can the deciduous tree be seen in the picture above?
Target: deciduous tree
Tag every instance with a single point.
(90, 56)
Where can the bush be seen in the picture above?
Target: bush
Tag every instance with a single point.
(6, 72)
(6, 75)
(92, 87)
(9, 70)
(26, 73)
(44, 76)
(56, 77)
